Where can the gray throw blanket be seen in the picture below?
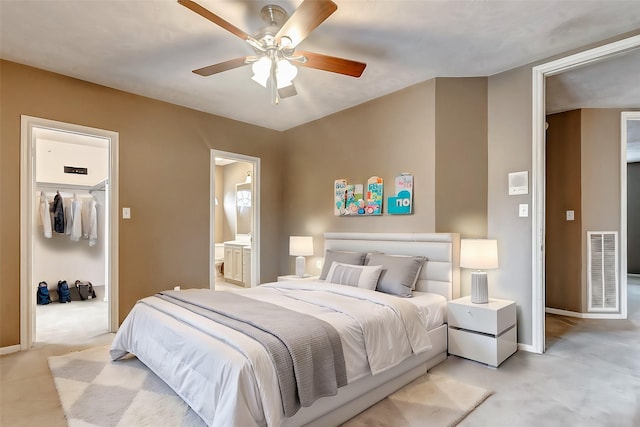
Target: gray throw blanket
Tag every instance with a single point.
(306, 351)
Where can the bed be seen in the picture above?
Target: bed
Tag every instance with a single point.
(229, 379)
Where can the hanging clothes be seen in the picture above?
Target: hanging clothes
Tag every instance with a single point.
(93, 222)
(58, 213)
(76, 218)
(68, 215)
(90, 221)
(45, 216)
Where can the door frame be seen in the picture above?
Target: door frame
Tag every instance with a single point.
(540, 72)
(27, 215)
(255, 206)
(625, 117)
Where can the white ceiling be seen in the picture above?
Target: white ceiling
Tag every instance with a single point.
(149, 47)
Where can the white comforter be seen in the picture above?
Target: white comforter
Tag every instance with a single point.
(228, 378)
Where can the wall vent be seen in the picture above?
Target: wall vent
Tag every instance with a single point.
(602, 278)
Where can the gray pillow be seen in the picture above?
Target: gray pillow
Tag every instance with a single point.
(399, 273)
(359, 276)
(344, 257)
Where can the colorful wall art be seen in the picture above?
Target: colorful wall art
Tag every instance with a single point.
(340, 197)
(349, 200)
(375, 190)
(402, 202)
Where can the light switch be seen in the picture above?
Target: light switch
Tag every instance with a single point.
(126, 213)
(523, 210)
(570, 216)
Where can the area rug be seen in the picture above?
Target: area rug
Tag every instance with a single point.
(430, 400)
(94, 391)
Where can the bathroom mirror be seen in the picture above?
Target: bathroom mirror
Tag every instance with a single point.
(243, 211)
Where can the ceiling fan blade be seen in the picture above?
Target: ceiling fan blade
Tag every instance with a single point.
(288, 91)
(222, 66)
(331, 63)
(214, 18)
(305, 19)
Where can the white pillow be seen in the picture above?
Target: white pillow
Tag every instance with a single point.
(360, 276)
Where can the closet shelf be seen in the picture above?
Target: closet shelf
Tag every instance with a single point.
(57, 186)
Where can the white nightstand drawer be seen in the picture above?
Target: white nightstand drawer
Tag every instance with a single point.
(493, 317)
(482, 348)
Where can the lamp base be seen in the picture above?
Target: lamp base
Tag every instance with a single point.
(300, 266)
(479, 287)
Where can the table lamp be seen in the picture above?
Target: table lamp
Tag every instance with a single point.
(300, 246)
(479, 254)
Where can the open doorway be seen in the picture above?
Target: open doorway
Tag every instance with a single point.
(235, 220)
(68, 233)
(540, 73)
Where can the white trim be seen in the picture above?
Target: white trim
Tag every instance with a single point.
(9, 349)
(27, 188)
(526, 347)
(538, 169)
(624, 118)
(584, 315)
(255, 227)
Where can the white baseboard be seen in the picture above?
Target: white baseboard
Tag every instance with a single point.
(10, 349)
(526, 347)
(583, 315)
(563, 312)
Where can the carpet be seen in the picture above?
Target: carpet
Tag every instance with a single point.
(94, 391)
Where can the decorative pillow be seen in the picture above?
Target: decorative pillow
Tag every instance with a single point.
(359, 276)
(354, 258)
(399, 274)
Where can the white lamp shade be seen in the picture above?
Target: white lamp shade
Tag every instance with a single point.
(300, 245)
(479, 254)
(261, 70)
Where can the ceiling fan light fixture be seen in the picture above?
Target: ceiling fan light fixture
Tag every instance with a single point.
(285, 73)
(261, 70)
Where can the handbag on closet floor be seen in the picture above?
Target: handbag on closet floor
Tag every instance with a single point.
(85, 289)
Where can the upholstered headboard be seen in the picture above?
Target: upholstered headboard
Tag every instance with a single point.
(440, 273)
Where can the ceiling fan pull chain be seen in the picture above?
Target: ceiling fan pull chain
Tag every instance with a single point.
(275, 99)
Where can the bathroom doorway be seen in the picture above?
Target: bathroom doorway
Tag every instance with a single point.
(235, 220)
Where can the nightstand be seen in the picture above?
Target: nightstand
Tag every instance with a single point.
(485, 333)
(298, 278)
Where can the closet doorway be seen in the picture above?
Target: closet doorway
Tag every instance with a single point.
(235, 221)
(68, 233)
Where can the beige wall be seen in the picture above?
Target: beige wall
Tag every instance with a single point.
(164, 178)
(415, 130)
(600, 178)
(461, 156)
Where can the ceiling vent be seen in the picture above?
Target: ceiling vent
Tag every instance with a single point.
(602, 279)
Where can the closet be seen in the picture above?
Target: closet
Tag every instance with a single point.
(70, 235)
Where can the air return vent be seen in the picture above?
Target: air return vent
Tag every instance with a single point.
(602, 279)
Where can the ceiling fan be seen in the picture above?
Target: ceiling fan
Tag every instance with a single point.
(275, 46)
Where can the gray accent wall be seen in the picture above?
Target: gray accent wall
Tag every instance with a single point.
(509, 150)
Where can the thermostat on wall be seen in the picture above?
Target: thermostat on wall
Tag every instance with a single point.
(518, 183)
